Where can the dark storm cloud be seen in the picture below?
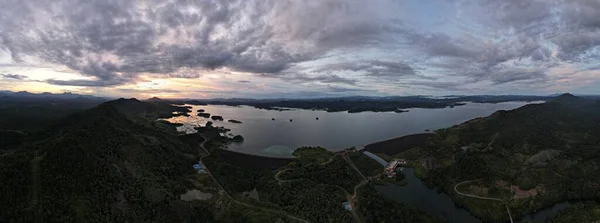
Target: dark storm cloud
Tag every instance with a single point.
(13, 76)
(572, 25)
(519, 14)
(481, 60)
(87, 83)
(114, 42)
(107, 39)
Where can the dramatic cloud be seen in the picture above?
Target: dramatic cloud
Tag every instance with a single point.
(13, 76)
(277, 45)
(328, 79)
(374, 68)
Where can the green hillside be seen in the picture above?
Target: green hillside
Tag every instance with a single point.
(98, 165)
(550, 151)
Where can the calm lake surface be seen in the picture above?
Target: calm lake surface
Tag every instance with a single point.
(416, 194)
(334, 130)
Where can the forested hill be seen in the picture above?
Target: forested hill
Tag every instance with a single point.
(558, 124)
(100, 165)
(551, 150)
(26, 111)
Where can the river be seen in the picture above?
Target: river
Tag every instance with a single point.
(333, 130)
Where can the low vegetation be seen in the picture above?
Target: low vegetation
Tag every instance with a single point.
(312, 154)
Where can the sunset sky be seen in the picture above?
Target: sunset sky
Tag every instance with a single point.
(296, 48)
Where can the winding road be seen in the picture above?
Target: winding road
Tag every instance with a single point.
(474, 196)
(233, 199)
(483, 198)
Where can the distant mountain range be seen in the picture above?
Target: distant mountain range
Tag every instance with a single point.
(355, 104)
(65, 95)
(464, 98)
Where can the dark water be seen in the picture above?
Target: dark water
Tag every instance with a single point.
(415, 193)
(546, 214)
(429, 200)
(334, 131)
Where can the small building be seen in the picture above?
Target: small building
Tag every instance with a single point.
(390, 168)
(347, 206)
(392, 165)
(402, 162)
(200, 168)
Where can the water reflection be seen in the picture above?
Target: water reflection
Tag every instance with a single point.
(269, 132)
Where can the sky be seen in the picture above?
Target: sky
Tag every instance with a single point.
(299, 48)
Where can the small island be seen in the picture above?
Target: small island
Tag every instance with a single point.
(170, 123)
(205, 115)
(217, 118)
(237, 138)
(234, 121)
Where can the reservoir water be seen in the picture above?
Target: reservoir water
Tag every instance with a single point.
(333, 130)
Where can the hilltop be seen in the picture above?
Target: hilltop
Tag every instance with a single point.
(28, 111)
(98, 165)
(549, 151)
(111, 163)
